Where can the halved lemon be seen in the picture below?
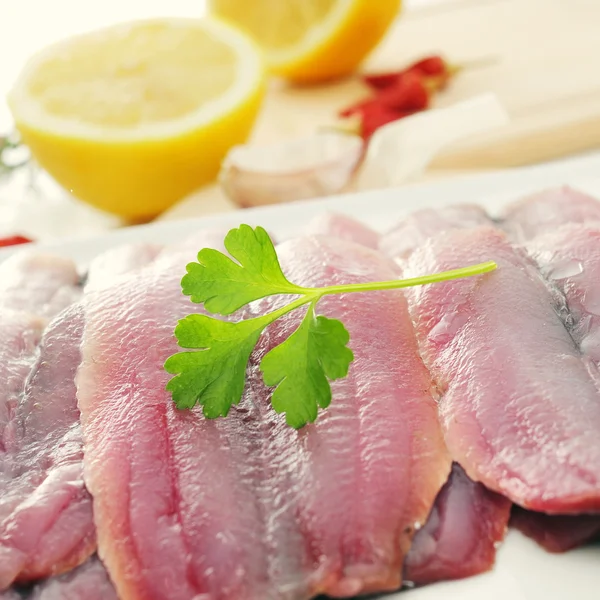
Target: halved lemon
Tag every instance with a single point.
(136, 116)
(308, 41)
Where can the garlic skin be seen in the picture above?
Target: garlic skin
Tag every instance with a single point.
(315, 166)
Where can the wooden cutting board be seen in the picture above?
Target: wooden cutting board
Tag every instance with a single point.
(539, 56)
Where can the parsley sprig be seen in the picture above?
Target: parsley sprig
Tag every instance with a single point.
(213, 370)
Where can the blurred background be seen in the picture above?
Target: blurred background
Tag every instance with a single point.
(518, 86)
(28, 25)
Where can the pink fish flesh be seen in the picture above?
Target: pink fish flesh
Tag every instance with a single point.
(344, 227)
(519, 408)
(119, 261)
(38, 283)
(548, 210)
(46, 513)
(415, 229)
(465, 527)
(245, 507)
(46, 523)
(557, 533)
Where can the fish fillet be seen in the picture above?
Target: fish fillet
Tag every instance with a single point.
(245, 507)
(462, 533)
(519, 408)
(38, 283)
(338, 225)
(415, 229)
(548, 210)
(557, 533)
(570, 260)
(46, 522)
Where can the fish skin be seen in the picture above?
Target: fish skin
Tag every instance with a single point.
(466, 525)
(507, 406)
(416, 228)
(548, 210)
(556, 533)
(257, 531)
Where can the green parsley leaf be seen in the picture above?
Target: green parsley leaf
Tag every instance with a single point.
(214, 374)
(301, 366)
(224, 285)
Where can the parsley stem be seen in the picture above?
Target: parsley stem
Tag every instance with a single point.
(313, 295)
(211, 370)
(414, 281)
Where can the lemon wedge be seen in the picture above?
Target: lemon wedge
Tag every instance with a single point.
(136, 116)
(308, 41)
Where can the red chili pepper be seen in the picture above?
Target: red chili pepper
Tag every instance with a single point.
(377, 116)
(401, 93)
(14, 240)
(409, 93)
(381, 81)
(432, 66)
(358, 108)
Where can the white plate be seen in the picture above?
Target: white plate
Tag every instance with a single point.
(523, 571)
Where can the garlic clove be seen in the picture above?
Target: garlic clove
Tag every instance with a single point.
(318, 165)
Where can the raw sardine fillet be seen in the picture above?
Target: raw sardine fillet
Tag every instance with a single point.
(38, 283)
(359, 541)
(245, 507)
(46, 523)
(462, 533)
(557, 533)
(415, 229)
(338, 225)
(570, 260)
(119, 261)
(520, 410)
(548, 210)
(41, 285)
(33, 287)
